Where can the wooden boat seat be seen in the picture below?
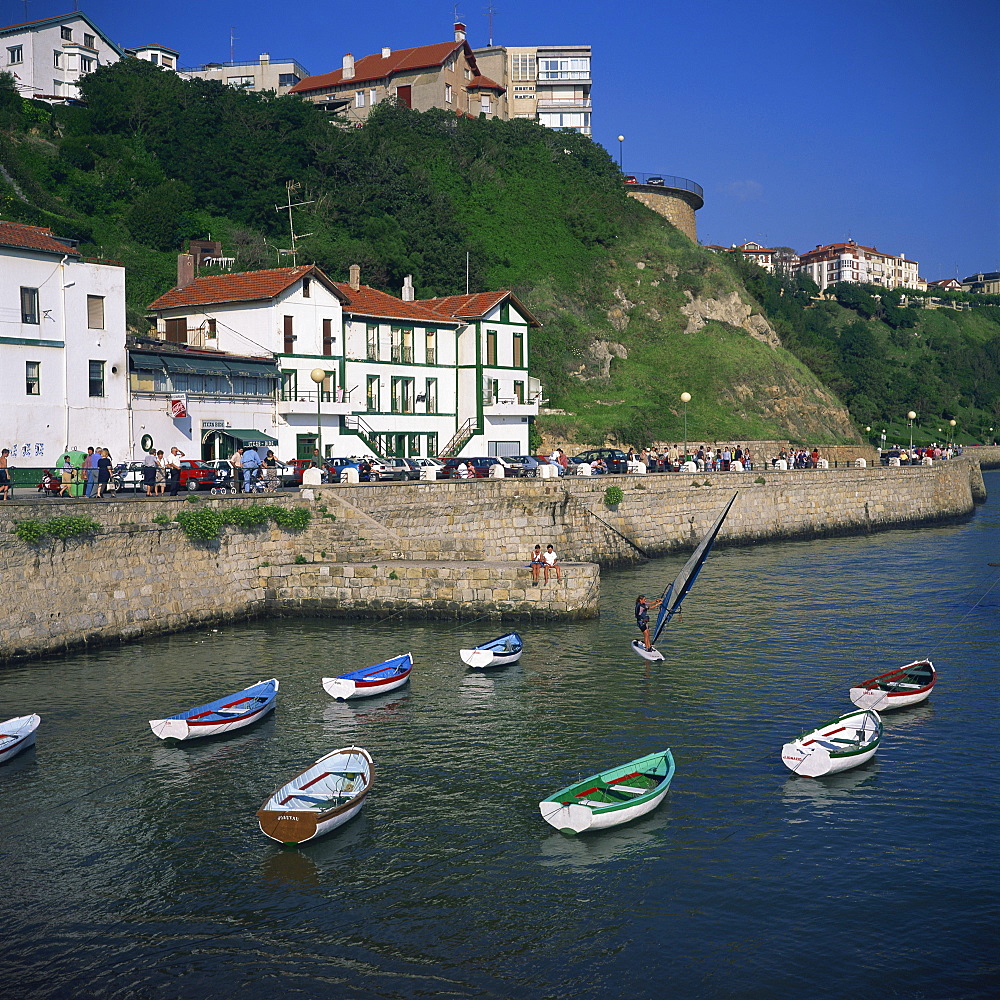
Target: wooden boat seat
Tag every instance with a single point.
(631, 788)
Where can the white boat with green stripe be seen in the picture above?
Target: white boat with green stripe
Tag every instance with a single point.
(845, 742)
(611, 797)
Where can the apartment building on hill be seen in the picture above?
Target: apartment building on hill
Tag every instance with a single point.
(278, 75)
(549, 84)
(48, 57)
(866, 265)
(445, 75)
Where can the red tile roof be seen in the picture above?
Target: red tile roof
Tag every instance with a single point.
(379, 67)
(481, 82)
(13, 234)
(247, 286)
(370, 302)
(475, 305)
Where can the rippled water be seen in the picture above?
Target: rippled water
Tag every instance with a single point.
(132, 868)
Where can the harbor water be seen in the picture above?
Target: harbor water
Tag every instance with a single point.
(132, 868)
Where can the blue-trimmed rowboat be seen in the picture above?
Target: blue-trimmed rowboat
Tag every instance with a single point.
(898, 688)
(495, 653)
(17, 735)
(382, 677)
(673, 596)
(843, 743)
(612, 797)
(324, 796)
(220, 716)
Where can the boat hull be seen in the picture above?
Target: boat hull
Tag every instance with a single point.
(343, 689)
(338, 795)
(19, 734)
(639, 648)
(844, 743)
(206, 721)
(611, 797)
(909, 685)
(495, 653)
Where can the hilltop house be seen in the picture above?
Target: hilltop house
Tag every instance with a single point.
(397, 376)
(62, 343)
(444, 75)
(48, 57)
(853, 262)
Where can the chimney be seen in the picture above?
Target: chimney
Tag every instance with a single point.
(355, 279)
(459, 31)
(408, 288)
(265, 58)
(185, 269)
(386, 52)
(348, 66)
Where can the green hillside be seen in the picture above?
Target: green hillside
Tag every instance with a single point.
(633, 313)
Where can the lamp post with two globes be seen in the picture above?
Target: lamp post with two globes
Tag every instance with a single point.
(319, 377)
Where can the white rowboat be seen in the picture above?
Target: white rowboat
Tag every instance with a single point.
(17, 735)
(843, 743)
(898, 688)
(223, 715)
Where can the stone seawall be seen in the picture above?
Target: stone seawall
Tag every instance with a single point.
(450, 549)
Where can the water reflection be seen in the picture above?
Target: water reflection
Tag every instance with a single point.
(639, 840)
(824, 793)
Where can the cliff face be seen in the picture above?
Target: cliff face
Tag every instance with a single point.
(665, 318)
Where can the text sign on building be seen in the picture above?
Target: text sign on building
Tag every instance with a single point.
(213, 425)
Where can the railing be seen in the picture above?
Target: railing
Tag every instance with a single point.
(432, 355)
(669, 181)
(368, 435)
(309, 396)
(461, 438)
(401, 354)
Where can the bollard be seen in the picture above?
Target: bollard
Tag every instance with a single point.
(349, 475)
(584, 469)
(894, 462)
(312, 476)
(496, 471)
(824, 463)
(927, 460)
(736, 467)
(428, 473)
(860, 463)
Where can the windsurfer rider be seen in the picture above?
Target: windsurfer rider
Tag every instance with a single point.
(642, 610)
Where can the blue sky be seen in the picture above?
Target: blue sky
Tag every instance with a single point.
(804, 122)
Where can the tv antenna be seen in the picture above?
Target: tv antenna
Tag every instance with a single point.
(490, 12)
(232, 39)
(291, 186)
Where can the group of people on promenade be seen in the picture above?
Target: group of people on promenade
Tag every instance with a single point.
(544, 562)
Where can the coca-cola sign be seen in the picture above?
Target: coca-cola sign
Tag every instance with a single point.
(178, 407)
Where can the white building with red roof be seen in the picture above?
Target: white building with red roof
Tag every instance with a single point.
(63, 376)
(444, 75)
(399, 376)
(854, 262)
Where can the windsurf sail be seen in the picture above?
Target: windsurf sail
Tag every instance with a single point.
(675, 593)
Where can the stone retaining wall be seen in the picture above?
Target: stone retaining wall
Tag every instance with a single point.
(446, 549)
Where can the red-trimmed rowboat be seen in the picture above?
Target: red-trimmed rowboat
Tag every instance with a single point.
(17, 735)
(220, 716)
(364, 683)
(898, 688)
(324, 796)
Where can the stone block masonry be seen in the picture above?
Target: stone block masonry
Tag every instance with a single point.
(443, 549)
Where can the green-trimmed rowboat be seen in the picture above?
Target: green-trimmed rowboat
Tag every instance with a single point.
(612, 797)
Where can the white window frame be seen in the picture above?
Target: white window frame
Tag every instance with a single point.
(15, 55)
(447, 94)
(95, 312)
(359, 98)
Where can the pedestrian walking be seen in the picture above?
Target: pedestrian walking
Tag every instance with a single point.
(174, 470)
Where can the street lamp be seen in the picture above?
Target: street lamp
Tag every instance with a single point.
(951, 424)
(685, 399)
(319, 377)
(621, 139)
(910, 417)
(883, 441)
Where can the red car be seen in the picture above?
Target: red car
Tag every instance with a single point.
(196, 476)
(631, 180)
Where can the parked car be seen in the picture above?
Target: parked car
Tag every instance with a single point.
(403, 468)
(291, 472)
(423, 463)
(614, 458)
(479, 466)
(658, 181)
(631, 180)
(379, 470)
(196, 476)
(524, 466)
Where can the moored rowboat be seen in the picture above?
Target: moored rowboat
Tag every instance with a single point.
(495, 653)
(611, 797)
(382, 677)
(324, 796)
(17, 735)
(898, 688)
(843, 743)
(223, 715)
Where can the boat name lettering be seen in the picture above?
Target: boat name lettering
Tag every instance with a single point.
(294, 819)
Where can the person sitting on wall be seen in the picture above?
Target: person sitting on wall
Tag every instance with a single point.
(537, 561)
(552, 562)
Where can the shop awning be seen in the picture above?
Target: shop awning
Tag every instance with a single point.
(200, 365)
(248, 439)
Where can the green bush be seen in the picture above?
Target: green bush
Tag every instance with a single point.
(33, 530)
(295, 519)
(300, 559)
(247, 517)
(613, 496)
(200, 525)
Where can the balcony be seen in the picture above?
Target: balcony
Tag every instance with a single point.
(305, 401)
(581, 104)
(509, 406)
